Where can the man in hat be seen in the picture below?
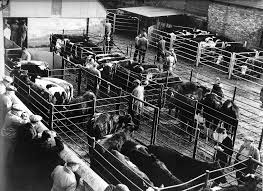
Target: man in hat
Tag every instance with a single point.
(224, 148)
(6, 102)
(7, 31)
(161, 49)
(7, 80)
(64, 177)
(22, 33)
(170, 61)
(14, 31)
(136, 47)
(35, 119)
(25, 54)
(217, 89)
(143, 44)
(246, 150)
(137, 105)
(8, 132)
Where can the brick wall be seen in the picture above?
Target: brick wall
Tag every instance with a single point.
(235, 22)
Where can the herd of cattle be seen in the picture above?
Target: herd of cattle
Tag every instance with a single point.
(216, 50)
(171, 167)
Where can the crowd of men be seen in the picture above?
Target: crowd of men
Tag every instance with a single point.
(17, 32)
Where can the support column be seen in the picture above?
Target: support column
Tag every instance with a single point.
(2, 48)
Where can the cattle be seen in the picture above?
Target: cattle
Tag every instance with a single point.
(153, 168)
(186, 168)
(116, 140)
(130, 170)
(56, 90)
(249, 185)
(64, 84)
(230, 115)
(78, 108)
(211, 105)
(184, 97)
(102, 124)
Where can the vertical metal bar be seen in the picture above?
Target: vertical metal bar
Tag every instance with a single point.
(155, 125)
(127, 52)
(198, 55)
(231, 65)
(94, 105)
(196, 141)
(166, 80)
(131, 51)
(50, 42)
(118, 105)
(63, 31)
(138, 25)
(260, 141)
(53, 59)
(63, 67)
(79, 81)
(234, 94)
(114, 22)
(160, 100)
(51, 116)
(206, 178)
(191, 75)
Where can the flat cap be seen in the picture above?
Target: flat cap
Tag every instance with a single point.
(137, 81)
(16, 107)
(8, 79)
(35, 118)
(11, 88)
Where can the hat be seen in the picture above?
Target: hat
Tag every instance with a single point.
(11, 88)
(248, 138)
(137, 81)
(35, 118)
(16, 107)
(8, 79)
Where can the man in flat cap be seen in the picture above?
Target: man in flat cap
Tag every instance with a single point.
(8, 132)
(6, 101)
(7, 80)
(246, 150)
(64, 177)
(35, 119)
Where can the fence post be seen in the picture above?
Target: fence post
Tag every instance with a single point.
(50, 43)
(118, 105)
(63, 31)
(198, 55)
(206, 178)
(127, 51)
(79, 81)
(231, 65)
(53, 59)
(94, 105)
(166, 79)
(155, 125)
(160, 100)
(191, 75)
(63, 67)
(234, 94)
(138, 26)
(81, 52)
(197, 134)
(131, 51)
(51, 116)
(114, 22)
(260, 141)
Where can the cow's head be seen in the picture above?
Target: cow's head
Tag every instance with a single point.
(219, 172)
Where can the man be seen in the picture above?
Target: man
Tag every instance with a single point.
(246, 150)
(171, 60)
(6, 102)
(22, 33)
(64, 178)
(136, 47)
(7, 80)
(217, 89)
(143, 46)
(161, 49)
(25, 54)
(137, 105)
(7, 31)
(14, 31)
(108, 28)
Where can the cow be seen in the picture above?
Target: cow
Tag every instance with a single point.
(116, 140)
(130, 170)
(250, 185)
(79, 107)
(186, 168)
(102, 124)
(155, 169)
(64, 84)
(211, 105)
(229, 115)
(184, 97)
(56, 90)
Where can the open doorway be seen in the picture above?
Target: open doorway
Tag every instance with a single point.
(16, 30)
